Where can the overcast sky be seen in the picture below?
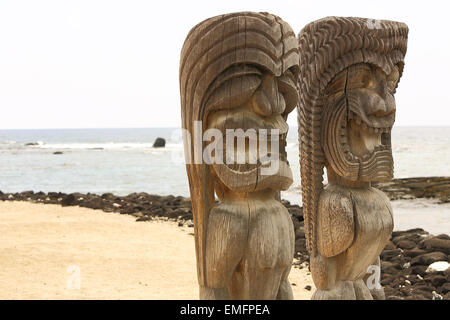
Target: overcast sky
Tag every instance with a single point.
(86, 64)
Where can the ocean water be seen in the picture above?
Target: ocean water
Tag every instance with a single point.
(123, 161)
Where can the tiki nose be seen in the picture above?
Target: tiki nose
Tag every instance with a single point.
(268, 100)
(380, 106)
(383, 103)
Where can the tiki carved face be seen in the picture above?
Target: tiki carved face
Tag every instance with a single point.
(360, 113)
(248, 103)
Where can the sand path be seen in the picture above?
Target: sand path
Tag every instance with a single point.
(46, 249)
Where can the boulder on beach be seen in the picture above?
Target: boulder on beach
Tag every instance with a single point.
(159, 143)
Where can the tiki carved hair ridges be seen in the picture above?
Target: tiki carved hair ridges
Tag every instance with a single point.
(239, 71)
(349, 71)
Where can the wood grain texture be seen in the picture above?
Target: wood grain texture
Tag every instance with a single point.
(239, 71)
(349, 71)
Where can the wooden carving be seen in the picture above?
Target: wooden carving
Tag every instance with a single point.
(349, 70)
(239, 71)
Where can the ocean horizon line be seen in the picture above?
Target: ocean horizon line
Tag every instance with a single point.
(179, 127)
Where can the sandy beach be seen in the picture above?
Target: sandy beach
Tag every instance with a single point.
(46, 248)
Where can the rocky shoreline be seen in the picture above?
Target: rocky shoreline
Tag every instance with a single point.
(421, 187)
(405, 261)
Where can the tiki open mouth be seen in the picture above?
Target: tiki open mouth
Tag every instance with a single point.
(249, 152)
(267, 170)
(361, 139)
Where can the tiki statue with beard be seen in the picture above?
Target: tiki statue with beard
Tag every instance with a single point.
(349, 71)
(238, 72)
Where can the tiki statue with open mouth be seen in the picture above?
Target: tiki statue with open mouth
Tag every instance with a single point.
(349, 71)
(238, 83)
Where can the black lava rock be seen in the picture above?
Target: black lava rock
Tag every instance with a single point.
(159, 143)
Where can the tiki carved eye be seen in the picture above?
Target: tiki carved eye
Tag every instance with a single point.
(360, 76)
(287, 86)
(233, 87)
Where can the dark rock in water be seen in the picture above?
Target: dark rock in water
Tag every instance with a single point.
(58, 152)
(159, 143)
(32, 144)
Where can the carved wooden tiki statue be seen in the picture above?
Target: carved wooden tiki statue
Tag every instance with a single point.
(238, 72)
(349, 71)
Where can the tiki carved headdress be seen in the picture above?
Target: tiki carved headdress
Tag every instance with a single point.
(223, 61)
(335, 54)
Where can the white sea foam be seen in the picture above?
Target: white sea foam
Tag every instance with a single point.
(147, 147)
(123, 161)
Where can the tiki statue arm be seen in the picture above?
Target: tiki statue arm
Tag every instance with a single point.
(335, 222)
